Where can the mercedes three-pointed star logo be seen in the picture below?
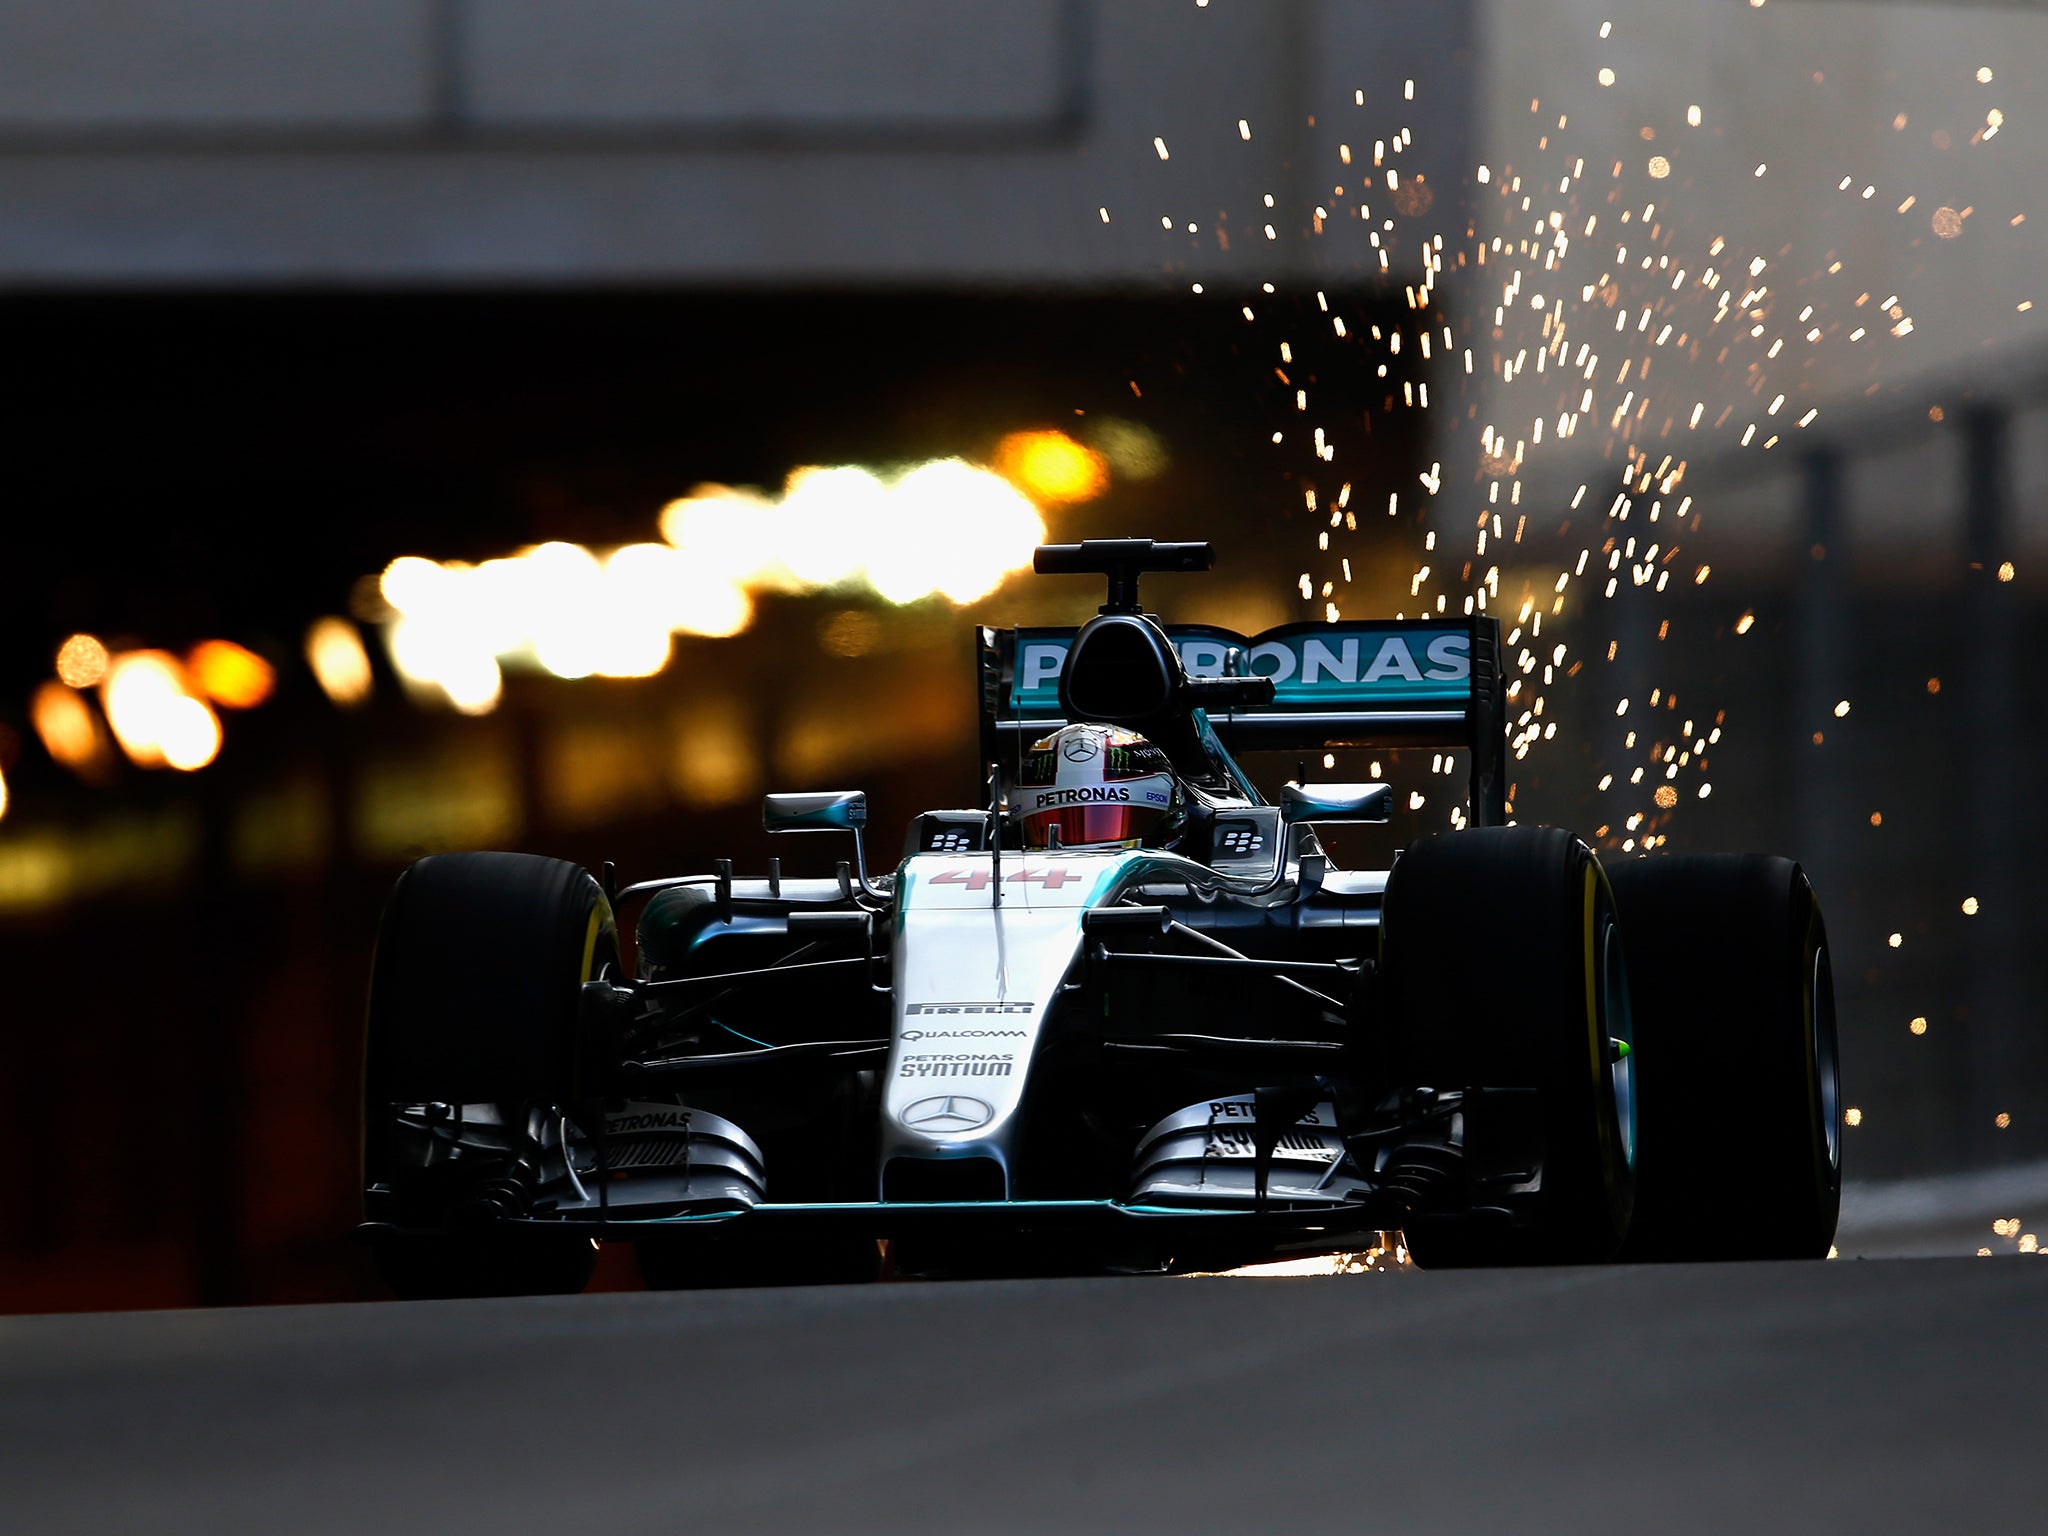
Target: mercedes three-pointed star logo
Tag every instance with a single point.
(946, 1113)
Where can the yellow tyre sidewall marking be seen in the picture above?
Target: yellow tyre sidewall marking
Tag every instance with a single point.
(597, 916)
(600, 922)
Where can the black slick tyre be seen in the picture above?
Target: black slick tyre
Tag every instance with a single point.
(1740, 1082)
(1501, 968)
(474, 999)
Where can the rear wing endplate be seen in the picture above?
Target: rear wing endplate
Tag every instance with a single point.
(1387, 683)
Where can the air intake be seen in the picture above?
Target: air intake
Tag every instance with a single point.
(1122, 669)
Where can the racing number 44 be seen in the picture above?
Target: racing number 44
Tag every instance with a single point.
(1051, 878)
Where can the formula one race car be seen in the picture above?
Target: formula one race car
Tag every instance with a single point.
(1124, 1017)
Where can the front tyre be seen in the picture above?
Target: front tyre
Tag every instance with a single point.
(1735, 998)
(1501, 968)
(474, 1000)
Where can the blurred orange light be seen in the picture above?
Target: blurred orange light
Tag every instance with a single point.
(81, 661)
(189, 734)
(70, 731)
(140, 695)
(3, 795)
(340, 664)
(1051, 466)
(230, 674)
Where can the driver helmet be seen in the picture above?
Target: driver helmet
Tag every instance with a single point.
(1095, 786)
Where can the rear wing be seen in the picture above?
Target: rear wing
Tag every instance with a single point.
(1387, 683)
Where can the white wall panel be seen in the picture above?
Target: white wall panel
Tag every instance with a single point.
(766, 64)
(103, 67)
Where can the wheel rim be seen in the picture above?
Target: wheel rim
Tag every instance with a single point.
(1826, 1065)
(1621, 1066)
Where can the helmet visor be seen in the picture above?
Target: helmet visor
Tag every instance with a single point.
(1080, 825)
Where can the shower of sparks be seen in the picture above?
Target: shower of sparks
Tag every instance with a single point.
(1610, 330)
(1388, 1255)
(1586, 339)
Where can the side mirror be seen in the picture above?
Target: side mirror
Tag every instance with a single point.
(1336, 802)
(833, 810)
(837, 810)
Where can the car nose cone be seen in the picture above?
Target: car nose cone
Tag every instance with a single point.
(946, 1113)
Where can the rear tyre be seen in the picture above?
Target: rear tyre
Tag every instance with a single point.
(1501, 967)
(1728, 964)
(475, 999)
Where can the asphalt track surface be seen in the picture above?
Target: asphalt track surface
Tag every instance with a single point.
(1877, 1395)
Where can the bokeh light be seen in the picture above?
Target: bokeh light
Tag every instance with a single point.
(843, 525)
(339, 663)
(1050, 466)
(70, 731)
(154, 716)
(230, 674)
(81, 661)
(1131, 449)
(657, 588)
(831, 515)
(188, 734)
(945, 528)
(136, 693)
(954, 531)
(727, 531)
(436, 656)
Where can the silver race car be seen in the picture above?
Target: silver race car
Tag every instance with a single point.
(1125, 1016)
